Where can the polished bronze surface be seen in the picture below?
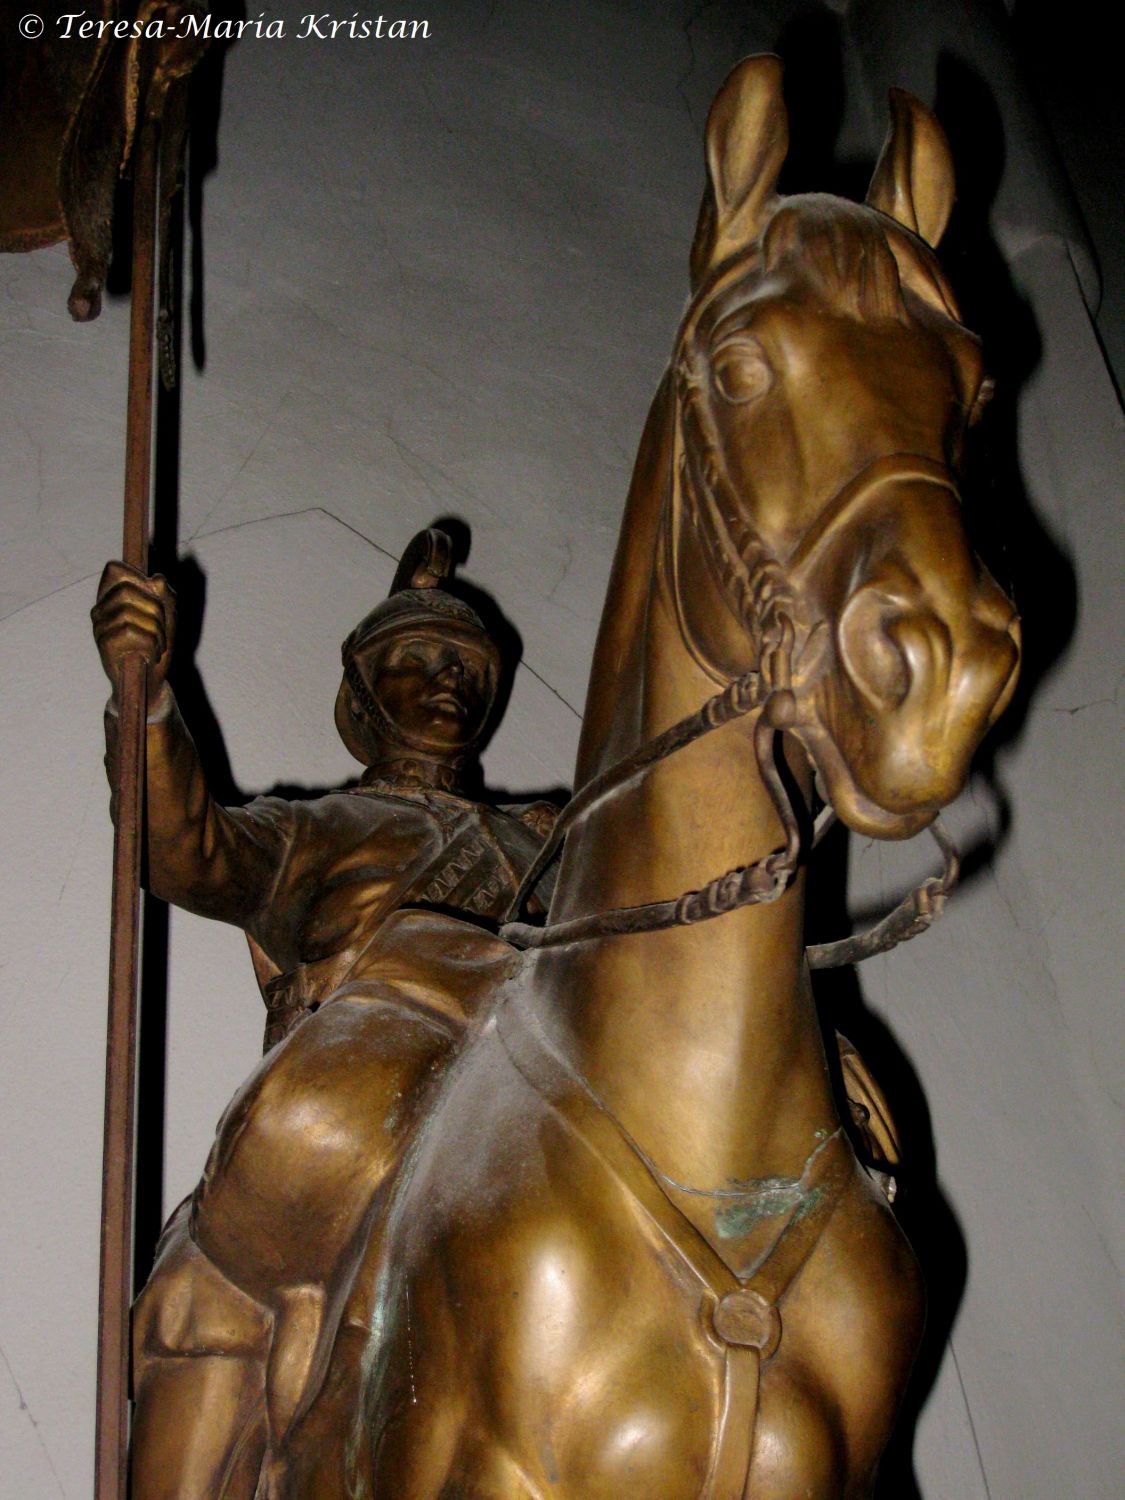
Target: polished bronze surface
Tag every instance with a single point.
(234, 1327)
(583, 1221)
(631, 1252)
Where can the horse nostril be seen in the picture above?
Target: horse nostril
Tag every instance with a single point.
(874, 638)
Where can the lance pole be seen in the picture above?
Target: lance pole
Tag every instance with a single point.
(129, 105)
(115, 1291)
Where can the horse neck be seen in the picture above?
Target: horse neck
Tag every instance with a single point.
(703, 1040)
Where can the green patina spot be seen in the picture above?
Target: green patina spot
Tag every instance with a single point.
(808, 1202)
(744, 1203)
(764, 1199)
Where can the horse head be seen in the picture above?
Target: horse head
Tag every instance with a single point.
(823, 387)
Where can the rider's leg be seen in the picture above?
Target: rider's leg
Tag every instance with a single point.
(199, 1359)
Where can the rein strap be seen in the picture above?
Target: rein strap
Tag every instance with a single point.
(740, 697)
(746, 885)
(768, 878)
(758, 884)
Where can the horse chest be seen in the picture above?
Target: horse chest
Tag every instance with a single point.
(578, 1384)
(596, 1380)
(573, 1340)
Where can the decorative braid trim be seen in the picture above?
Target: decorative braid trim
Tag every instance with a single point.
(412, 773)
(743, 563)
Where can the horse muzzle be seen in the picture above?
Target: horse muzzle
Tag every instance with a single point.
(927, 649)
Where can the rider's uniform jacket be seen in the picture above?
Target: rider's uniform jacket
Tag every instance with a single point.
(311, 882)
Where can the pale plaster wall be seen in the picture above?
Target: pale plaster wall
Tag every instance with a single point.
(443, 278)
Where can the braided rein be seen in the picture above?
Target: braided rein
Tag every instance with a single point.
(768, 688)
(758, 884)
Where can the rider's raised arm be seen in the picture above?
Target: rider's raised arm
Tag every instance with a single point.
(219, 862)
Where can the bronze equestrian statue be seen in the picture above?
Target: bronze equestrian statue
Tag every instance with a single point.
(609, 1238)
(227, 1332)
(630, 1253)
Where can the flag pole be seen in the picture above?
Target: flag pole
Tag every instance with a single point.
(130, 104)
(116, 1274)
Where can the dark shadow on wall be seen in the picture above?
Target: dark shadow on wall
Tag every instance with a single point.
(203, 158)
(1025, 560)
(811, 46)
(1079, 89)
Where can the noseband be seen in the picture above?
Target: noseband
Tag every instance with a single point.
(769, 688)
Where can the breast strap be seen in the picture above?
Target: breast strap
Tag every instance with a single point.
(740, 1315)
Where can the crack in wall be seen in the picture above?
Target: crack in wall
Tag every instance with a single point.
(23, 1406)
(288, 515)
(972, 1424)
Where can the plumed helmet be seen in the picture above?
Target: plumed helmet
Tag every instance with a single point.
(417, 599)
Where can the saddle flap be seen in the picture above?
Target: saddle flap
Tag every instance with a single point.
(438, 961)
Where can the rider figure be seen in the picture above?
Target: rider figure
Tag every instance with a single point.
(255, 1278)
(310, 882)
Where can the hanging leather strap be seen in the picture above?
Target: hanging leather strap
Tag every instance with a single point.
(741, 1315)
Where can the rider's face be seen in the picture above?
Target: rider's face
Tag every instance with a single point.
(436, 685)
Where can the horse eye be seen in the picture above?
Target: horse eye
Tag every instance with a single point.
(741, 370)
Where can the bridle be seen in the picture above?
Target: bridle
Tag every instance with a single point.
(767, 688)
(760, 883)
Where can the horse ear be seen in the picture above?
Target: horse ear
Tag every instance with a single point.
(913, 180)
(746, 140)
